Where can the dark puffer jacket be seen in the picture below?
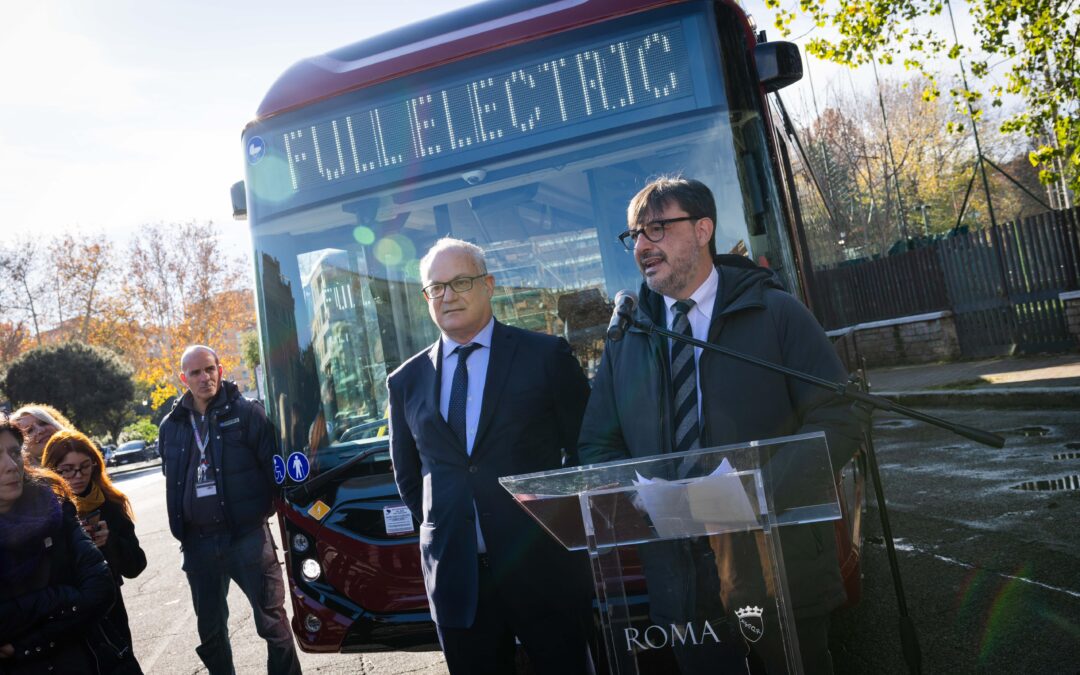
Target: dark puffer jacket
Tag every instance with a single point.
(52, 618)
(126, 560)
(629, 411)
(242, 446)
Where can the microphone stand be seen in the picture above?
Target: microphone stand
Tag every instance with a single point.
(908, 637)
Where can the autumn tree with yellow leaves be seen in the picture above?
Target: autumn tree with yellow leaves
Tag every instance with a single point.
(188, 291)
(172, 285)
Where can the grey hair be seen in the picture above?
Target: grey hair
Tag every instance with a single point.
(197, 348)
(451, 244)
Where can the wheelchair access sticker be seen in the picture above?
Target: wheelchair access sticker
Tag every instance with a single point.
(279, 469)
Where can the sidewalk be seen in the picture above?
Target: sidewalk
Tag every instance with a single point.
(1044, 381)
(134, 466)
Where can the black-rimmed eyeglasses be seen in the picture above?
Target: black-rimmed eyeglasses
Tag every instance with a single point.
(653, 231)
(68, 471)
(459, 285)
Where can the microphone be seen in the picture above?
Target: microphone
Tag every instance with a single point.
(625, 303)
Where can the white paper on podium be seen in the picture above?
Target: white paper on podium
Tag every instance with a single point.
(715, 502)
(666, 505)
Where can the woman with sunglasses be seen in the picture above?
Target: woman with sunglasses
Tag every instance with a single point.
(105, 513)
(54, 583)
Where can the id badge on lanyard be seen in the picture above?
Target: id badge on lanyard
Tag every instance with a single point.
(204, 479)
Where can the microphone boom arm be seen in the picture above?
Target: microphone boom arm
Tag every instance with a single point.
(843, 389)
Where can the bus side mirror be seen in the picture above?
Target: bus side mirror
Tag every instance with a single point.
(239, 201)
(778, 64)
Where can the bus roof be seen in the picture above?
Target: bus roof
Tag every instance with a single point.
(450, 37)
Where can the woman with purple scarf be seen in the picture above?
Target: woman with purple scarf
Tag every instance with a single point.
(54, 583)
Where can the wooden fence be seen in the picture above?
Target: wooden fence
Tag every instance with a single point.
(1001, 283)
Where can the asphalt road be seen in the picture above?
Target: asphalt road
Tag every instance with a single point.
(991, 573)
(163, 622)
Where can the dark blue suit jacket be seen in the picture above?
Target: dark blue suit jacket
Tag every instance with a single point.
(534, 399)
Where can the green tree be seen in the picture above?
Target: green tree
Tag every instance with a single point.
(90, 385)
(1037, 38)
(140, 430)
(250, 346)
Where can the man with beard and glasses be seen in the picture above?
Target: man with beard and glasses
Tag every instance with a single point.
(704, 399)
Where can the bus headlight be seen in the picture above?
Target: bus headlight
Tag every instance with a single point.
(300, 543)
(312, 623)
(310, 569)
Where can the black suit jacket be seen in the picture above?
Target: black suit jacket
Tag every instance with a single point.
(534, 399)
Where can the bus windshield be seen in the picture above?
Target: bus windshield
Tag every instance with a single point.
(338, 260)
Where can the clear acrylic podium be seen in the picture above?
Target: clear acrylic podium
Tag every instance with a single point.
(686, 552)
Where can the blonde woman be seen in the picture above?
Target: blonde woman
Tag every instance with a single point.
(38, 423)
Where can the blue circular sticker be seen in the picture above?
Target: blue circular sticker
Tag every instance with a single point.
(256, 149)
(279, 469)
(298, 466)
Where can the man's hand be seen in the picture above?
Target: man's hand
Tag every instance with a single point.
(6, 651)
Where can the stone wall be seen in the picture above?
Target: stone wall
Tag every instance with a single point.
(1071, 301)
(923, 338)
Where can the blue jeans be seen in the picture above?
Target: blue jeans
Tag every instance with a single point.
(250, 560)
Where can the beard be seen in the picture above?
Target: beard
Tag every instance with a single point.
(681, 269)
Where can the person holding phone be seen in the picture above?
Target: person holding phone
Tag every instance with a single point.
(105, 513)
(54, 583)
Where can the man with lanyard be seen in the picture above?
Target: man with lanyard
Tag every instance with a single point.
(217, 457)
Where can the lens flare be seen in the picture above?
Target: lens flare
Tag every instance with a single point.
(365, 236)
(395, 250)
(388, 252)
(1007, 608)
(270, 181)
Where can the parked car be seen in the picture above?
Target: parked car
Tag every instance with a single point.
(107, 451)
(132, 451)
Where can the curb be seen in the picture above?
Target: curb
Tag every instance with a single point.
(997, 397)
(131, 468)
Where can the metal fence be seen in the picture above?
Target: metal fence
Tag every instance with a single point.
(1001, 283)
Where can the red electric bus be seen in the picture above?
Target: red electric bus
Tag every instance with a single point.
(520, 125)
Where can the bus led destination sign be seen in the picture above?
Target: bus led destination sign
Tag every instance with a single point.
(524, 100)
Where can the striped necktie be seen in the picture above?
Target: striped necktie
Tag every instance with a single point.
(684, 382)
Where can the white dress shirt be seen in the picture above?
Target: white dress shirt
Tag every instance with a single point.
(477, 365)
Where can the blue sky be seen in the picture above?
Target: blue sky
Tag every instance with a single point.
(115, 113)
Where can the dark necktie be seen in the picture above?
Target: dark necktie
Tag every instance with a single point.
(459, 393)
(684, 381)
